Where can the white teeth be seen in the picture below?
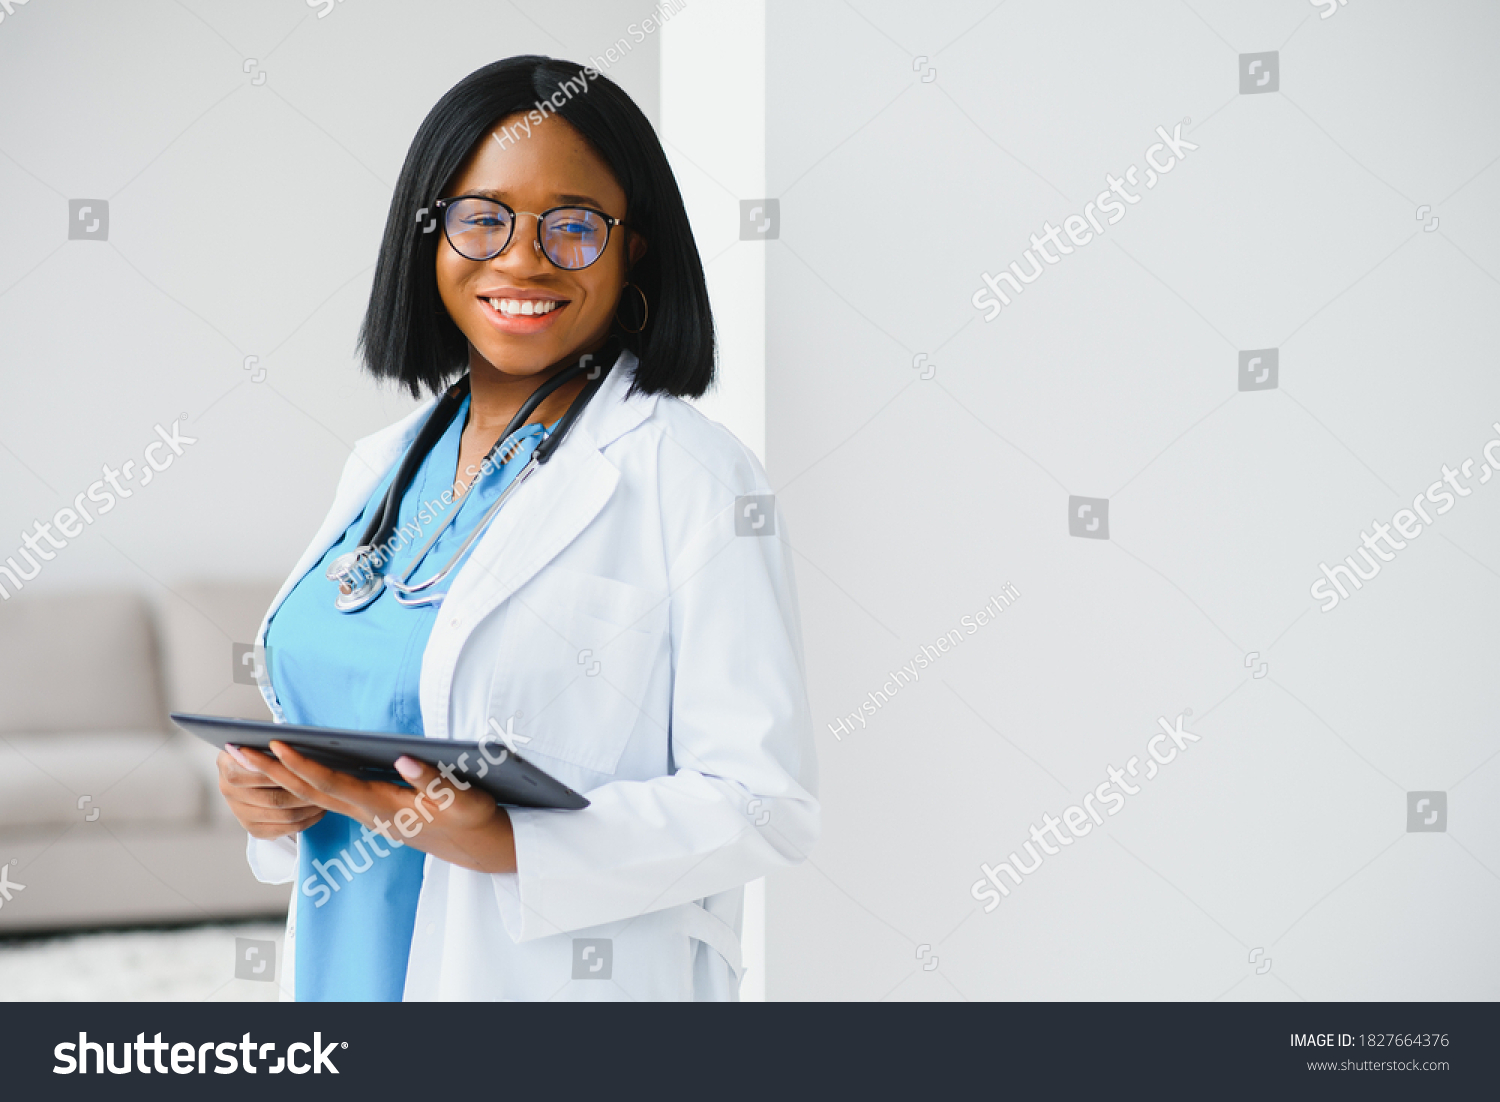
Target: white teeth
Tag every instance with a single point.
(523, 307)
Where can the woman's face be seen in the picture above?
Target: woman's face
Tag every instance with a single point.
(551, 167)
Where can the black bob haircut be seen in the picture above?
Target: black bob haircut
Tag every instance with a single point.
(407, 334)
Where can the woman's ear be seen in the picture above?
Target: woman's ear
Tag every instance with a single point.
(637, 248)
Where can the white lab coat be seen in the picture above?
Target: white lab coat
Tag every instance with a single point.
(653, 659)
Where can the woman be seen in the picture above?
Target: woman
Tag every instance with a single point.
(610, 624)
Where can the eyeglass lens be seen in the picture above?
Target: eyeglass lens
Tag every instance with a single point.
(572, 237)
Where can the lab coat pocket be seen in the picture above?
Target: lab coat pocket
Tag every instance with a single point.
(575, 667)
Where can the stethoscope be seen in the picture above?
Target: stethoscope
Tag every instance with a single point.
(360, 573)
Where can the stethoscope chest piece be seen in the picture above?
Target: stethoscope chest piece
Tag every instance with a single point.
(359, 582)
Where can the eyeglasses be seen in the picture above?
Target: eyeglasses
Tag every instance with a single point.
(481, 229)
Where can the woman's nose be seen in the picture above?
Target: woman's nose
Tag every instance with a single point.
(516, 246)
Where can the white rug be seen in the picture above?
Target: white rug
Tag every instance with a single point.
(195, 964)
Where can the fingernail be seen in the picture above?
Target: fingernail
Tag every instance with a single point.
(234, 752)
(408, 767)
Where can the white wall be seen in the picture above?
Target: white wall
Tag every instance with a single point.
(717, 147)
(913, 148)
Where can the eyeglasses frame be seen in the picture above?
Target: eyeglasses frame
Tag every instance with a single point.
(610, 222)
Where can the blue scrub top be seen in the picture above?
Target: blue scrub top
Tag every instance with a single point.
(357, 894)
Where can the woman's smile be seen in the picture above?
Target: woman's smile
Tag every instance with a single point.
(521, 313)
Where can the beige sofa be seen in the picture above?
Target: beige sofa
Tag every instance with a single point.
(109, 814)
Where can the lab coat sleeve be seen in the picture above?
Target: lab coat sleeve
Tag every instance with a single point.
(742, 798)
(273, 860)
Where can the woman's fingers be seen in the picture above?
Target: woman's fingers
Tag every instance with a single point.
(311, 782)
(246, 768)
(254, 762)
(359, 800)
(269, 794)
(285, 792)
(234, 752)
(462, 809)
(330, 782)
(252, 787)
(237, 770)
(416, 773)
(258, 829)
(283, 816)
(283, 789)
(263, 805)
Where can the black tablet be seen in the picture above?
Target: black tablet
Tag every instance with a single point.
(490, 766)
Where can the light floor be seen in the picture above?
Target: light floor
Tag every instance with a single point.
(194, 964)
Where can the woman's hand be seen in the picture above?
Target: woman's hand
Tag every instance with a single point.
(261, 805)
(439, 814)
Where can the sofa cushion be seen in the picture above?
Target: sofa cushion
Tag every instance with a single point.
(78, 661)
(133, 874)
(129, 776)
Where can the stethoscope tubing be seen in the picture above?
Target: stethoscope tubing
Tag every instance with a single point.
(359, 573)
(399, 588)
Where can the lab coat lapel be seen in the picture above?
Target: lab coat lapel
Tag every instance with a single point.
(533, 528)
(556, 503)
(546, 514)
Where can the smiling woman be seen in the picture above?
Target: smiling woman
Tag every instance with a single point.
(608, 618)
(596, 152)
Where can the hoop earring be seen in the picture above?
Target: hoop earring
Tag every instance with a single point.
(645, 311)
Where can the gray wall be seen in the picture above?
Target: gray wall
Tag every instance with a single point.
(1345, 216)
(244, 220)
